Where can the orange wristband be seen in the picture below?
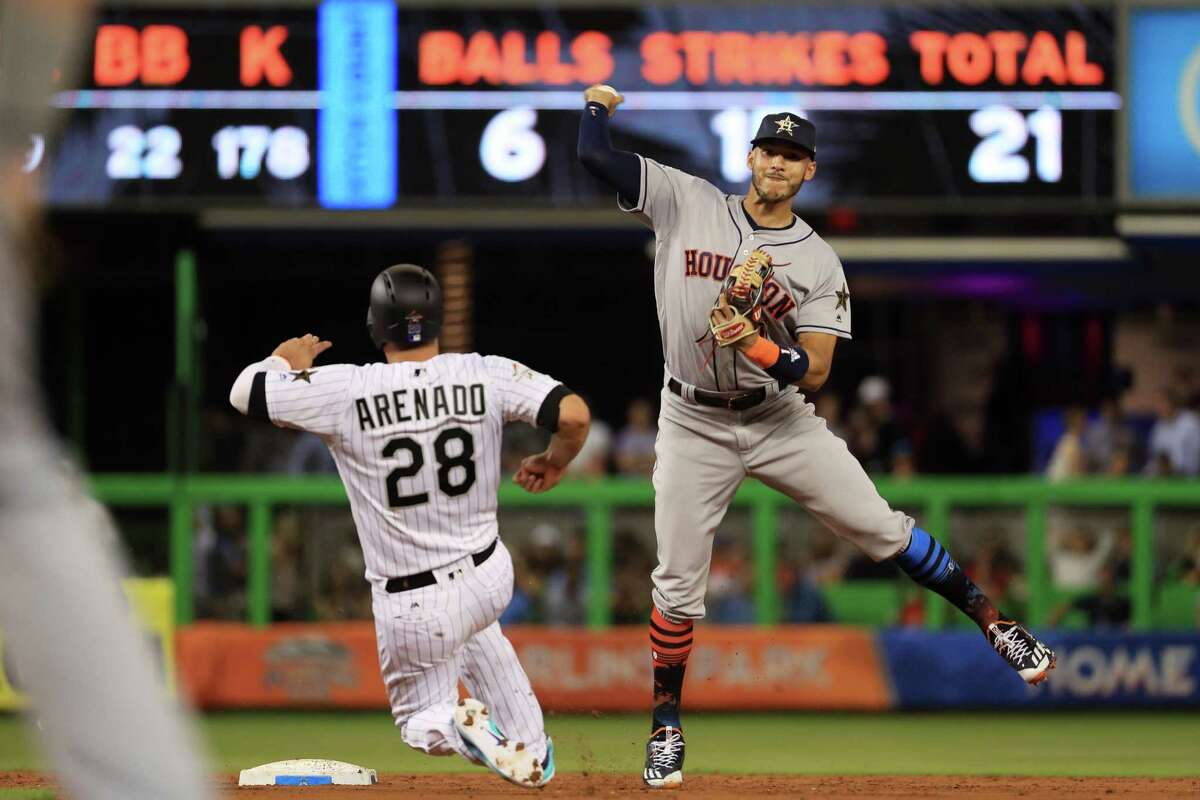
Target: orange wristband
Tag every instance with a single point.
(764, 352)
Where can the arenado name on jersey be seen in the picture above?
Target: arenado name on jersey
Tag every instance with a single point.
(418, 404)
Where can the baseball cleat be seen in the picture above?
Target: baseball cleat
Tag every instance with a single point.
(1030, 658)
(664, 758)
(546, 773)
(488, 744)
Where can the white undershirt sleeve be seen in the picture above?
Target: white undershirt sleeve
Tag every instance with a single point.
(239, 395)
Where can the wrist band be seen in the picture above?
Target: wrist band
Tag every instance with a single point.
(763, 352)
(786, 365)
(791, 366)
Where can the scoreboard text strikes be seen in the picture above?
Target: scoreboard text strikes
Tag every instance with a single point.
(363, 105)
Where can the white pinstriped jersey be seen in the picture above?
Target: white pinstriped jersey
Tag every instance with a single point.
(417, 445)
(700, 233)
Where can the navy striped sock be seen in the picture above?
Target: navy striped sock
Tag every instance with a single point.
(925, 560)
(929, 564)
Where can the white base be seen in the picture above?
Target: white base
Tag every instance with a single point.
(307, 772)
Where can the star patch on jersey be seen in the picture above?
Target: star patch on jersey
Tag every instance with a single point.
(303, 375)
(520, 372)
(785, 125)
(843, 298)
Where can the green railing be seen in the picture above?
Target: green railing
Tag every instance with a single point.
(931, 499)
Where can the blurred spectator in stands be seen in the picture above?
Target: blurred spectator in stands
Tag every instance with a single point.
(266, 449)
(1122, 557)
(1187, 566)
(221, 539)
(1077, 556)
(557, 561)
(956, 443)
(518, 441)
(526, 585)
(1108, 441)
(223, 442)
(632, 563)
(1175, 438)
(800, 597)
(874, 430)
(1104, 608)
(827, 558)
(994, 568)
(343, 595)
(828, 406)
(1067, 460)
(309, 456)
(634, 449)
(287, 589)
(730, 582)
(1121, 463)
(592, 461)
(1186, 379)
(904, 463)
(912, 606)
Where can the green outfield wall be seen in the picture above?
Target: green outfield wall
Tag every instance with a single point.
(932, 499)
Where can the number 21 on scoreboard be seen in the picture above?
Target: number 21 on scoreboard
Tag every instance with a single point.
(1003, 132)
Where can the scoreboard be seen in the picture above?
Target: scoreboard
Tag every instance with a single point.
(363, 104)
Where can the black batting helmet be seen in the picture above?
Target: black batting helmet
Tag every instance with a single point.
(406, 307)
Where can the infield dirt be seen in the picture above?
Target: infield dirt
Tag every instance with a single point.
(706, 786)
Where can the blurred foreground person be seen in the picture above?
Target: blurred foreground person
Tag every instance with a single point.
(105, 720)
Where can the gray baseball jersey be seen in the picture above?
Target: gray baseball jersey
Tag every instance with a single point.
(703, 453)
(701, 233)
(104, 721)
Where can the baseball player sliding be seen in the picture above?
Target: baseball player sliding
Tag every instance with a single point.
(417, 444)
(751, 302)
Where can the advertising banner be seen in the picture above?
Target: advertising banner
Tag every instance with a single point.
(1095, 669)
(336, 666)
(818, 667)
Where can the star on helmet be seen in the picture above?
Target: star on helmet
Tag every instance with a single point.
(785, 125)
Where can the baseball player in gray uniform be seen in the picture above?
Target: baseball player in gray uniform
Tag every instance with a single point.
(417, 444)
(751, 303)
(104, 718)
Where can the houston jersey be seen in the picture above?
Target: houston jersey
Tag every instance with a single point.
(701, 233)
(417, 445)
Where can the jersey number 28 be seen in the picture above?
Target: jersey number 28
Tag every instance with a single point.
(446, 463)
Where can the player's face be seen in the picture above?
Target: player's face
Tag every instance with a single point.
(777, 170)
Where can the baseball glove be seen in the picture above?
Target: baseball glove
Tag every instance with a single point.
(735, 316)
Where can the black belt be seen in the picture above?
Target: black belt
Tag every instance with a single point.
(738, 402)
(419, 579)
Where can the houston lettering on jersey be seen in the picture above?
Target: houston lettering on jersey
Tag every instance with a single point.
(418, 404)
(776, 301)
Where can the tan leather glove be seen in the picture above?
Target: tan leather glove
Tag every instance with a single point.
(728, 325)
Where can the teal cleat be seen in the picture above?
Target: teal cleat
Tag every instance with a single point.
(488, 744)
